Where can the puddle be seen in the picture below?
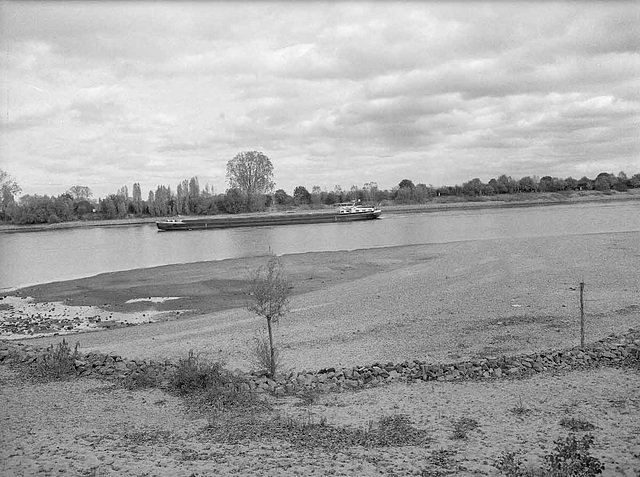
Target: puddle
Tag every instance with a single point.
(153, 299)
(23, 318)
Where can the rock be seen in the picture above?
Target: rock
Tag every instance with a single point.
(497, 372)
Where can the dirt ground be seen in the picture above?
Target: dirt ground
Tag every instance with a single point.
(432, 302)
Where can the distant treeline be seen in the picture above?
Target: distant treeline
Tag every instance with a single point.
(189, 199)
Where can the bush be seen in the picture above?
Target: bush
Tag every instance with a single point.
(209, 383)
(56, 363)
(510, 464)
(571, 458)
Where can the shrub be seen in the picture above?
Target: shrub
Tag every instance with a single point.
(571, 458)
(208, 383)
(55, 363)
(510, 464)
(396, 430)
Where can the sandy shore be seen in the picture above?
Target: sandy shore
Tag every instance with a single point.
(439, 302)
(429, 302)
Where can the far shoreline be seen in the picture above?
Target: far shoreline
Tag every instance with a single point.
(436, 205)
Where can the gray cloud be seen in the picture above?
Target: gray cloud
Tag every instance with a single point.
(438, 93)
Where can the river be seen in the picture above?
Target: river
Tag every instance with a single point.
(56, 255)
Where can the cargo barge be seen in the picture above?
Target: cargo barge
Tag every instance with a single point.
(344, 213)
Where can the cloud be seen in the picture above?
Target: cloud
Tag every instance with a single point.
(437, 93)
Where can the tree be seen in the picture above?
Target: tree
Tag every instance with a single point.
(79, 192)
(473, 187)
(301, 195)
(270, 293)
(282, 198)
(421, 193)
(251, 172)
(406, 183)
(137, 198)
(571, 183)
(234, 201)
(316, 195)
(604, 181)
(527, 184)
(8, 190)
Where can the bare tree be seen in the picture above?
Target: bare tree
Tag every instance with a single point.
(270, 293)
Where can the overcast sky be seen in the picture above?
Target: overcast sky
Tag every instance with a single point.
(105, 94)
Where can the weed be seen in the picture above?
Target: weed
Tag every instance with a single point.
(462, 426)
(148, 378)
(576, 424)
(304, 432)
(307, 396)
(396, 430)
(571, 458)
(511, 465)
(520, 409)
(56, 363)
(442, 457)
(262, 357)
(207, 385)
(147, 436)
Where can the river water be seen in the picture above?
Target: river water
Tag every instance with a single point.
(41, 257)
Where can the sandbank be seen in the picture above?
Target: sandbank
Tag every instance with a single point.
(438, 302)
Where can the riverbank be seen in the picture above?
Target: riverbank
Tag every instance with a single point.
(436, 204)
(435, 303)
(487, 297)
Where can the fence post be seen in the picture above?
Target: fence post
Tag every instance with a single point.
(582, 314)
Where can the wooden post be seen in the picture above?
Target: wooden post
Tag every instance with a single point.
(582, 314)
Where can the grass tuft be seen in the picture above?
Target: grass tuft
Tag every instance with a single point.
(576, 424)
(462, 426)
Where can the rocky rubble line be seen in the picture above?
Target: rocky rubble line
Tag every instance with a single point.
(611, 351)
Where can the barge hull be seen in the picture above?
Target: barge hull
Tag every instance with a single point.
(264, 220)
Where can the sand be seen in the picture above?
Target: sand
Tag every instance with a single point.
(431, 302)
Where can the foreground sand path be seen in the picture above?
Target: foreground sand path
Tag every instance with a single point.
(431, 302)
(87, 427)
